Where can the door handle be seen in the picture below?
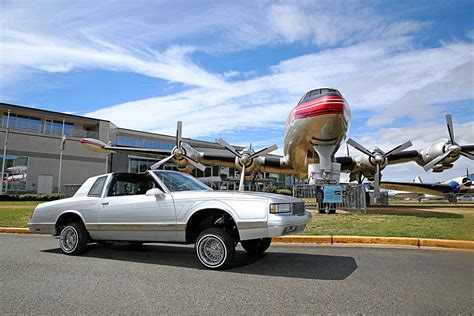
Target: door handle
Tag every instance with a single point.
(105, 203)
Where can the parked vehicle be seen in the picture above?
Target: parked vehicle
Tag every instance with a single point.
(169, 206)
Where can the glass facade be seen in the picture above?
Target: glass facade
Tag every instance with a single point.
(128, 141)
(36, 124)
(136, 165)
(216, 177)
(56, 127)
(16, 171)
(22, 122)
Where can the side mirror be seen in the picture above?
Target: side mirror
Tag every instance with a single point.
(154, 191)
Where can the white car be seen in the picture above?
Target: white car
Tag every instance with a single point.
(168, 206)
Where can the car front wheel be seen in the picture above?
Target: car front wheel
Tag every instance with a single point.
(215, 249)
(73, 239)
(256, 246)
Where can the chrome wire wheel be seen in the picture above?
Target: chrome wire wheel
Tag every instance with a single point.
(211, 250)
(68, 239)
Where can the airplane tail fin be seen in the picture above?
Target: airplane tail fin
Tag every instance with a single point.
(418, 180)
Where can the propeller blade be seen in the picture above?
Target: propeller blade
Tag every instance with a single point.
(179, 133)
(195, 163)
(467, 155)
(398, 149)
(242, 178)
(359, 147)
(449, 123)
(264, 151)
(159, 163)
(377, 181)
(435, 161)
(229, 147)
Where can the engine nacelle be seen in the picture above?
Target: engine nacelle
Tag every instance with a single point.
(435, 150)
(367, 166)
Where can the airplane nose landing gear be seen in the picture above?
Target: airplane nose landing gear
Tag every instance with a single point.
(326, 171)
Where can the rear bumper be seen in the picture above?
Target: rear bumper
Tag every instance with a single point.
(277, 225)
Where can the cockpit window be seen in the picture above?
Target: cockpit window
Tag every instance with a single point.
(313, 94)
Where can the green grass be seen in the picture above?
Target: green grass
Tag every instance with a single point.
(16, 214)
(421, 221)
(443, 226)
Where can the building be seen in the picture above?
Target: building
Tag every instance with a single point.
(34, 143)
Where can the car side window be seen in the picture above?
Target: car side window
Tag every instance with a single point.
(97, 187)
(131, 184)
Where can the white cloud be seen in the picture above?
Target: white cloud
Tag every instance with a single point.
(376, 62)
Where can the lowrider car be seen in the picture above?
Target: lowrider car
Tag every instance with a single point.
(169, 206)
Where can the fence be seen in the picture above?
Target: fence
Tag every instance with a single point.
(353, 197)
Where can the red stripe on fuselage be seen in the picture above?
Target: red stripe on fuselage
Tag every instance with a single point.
(320, 106)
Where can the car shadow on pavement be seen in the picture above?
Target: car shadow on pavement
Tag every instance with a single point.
(272, 263)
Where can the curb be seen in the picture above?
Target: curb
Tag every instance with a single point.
(15, 230)
(297, 239)
(396, 241)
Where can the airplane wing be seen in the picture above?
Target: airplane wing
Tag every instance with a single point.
(99, 146)
(421, 188)
(416, 155)
(210, 157)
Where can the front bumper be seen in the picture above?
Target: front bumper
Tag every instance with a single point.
(276, 225)
(43, 228)
(279, 225)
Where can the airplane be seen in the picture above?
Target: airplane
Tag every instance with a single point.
(314, 130)
(459, 185)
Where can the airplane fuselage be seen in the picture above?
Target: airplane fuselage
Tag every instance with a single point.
(322, 117)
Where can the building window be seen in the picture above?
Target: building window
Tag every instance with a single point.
(136, 165)
(56, 127)
(22, 122)
(128, 141)
(16, 171)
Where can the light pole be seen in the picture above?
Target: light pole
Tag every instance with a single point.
(5, 151)
(63, 142)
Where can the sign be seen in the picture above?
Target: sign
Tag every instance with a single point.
(332, 194)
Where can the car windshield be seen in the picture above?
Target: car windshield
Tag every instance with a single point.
(176, 181)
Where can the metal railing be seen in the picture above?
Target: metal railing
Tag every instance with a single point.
(353, 197)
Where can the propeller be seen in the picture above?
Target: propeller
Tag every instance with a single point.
(180, 151)
(378, 158)
(245, 157)
(451, 149)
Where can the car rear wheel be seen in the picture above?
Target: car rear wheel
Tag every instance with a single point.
(256, 246)
(73, 239)
(215, 249)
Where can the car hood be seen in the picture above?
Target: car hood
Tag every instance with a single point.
(273, 198)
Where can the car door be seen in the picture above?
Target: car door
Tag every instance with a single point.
(127, 213)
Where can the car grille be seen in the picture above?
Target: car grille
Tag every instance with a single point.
(298, 208)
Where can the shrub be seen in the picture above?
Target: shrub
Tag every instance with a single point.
(29, 197)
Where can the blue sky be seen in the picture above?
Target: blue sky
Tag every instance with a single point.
(235, 69)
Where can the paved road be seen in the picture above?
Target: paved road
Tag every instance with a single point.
(36, 278)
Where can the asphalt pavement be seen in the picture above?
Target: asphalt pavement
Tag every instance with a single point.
(36, 278)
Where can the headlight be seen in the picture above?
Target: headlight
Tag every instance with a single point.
(280, 208)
